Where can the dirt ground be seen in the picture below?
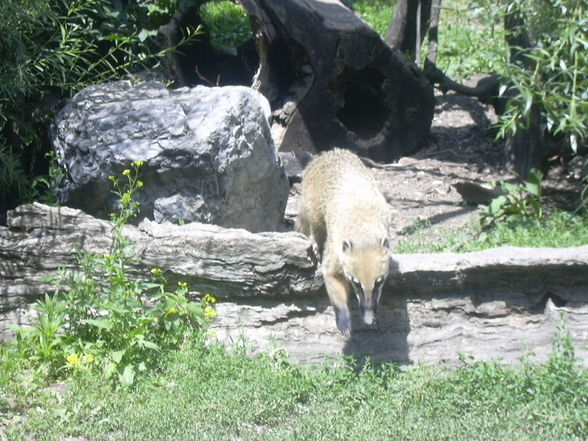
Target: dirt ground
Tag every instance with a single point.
(420, 188)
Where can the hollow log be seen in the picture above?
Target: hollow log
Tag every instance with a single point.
(332, 81)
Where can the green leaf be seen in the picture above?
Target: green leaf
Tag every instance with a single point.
(117, 356)
(149, 345)
(195, 309)
(128, 376)
(102, 323)
(109, 370)
(510, 188)
(533, 188)
(533, 184)
(145, 34)
(536, 205)
(497, 204)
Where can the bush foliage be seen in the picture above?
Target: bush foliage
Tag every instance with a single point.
(50, 50)
(227, 25)
(553, 72)
(106, 321)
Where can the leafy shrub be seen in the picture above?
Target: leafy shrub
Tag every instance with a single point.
(50, 50)
(105, 319)
(558, 80)
(227, 24)
(517, 201)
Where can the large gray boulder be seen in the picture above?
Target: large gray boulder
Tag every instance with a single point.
(208, 153)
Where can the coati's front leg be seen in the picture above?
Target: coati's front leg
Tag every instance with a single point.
(317, 235)
(338, 290)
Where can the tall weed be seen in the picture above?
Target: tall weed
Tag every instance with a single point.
(105, 320)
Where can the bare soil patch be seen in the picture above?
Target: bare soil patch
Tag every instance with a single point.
(463, 148)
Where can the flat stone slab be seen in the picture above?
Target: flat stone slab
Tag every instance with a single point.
(500, 303)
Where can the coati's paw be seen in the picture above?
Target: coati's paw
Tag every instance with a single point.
(317, 252)
(344, 322)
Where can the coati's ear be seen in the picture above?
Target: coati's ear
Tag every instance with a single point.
(346, 246)
(385, 242)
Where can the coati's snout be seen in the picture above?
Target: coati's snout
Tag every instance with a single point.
(368, 306)
(366, 271)
(368, 299)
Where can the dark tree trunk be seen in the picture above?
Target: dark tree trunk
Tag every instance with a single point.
(406, 32)
(526, 149)
(434, 31)
(332, 81)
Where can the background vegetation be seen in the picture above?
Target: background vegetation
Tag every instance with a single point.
(101, 363)
(49, 51)
(102, 321)
(227, 25)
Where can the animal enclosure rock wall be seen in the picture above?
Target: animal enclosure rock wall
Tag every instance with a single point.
(497, 303)
(208, 152)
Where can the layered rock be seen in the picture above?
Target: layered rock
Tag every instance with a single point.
(497, 303)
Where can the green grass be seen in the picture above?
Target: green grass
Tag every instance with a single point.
(204, 393)
(470, 41)
(378, 13)
(227, 24)
(559, 229)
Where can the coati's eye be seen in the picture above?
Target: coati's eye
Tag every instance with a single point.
(347, 246)
(379, 282)
(353, 281)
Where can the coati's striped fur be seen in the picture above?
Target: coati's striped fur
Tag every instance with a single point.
(347, 217)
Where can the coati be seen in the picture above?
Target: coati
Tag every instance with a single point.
(347, 217)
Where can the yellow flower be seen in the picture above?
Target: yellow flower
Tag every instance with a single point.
(73, 360)
(138, 164)
(171, 310)
(209, 312)
(182, 284)
(140, 184)
(76, 361)
(156, 271)
(209, 299)
(126, 172)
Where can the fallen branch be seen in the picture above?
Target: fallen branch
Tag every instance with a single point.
(486, 89)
